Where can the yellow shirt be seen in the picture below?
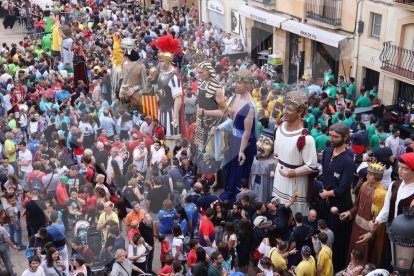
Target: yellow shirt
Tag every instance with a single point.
(306, 268)
(56, 38)
(8, 147)
(325, 261)
(277, 259)
(103, 218)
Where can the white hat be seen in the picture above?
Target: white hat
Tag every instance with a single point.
(259, 220)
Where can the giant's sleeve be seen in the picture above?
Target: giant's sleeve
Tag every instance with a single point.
(345, 180)
(383, 214)
(310, 160)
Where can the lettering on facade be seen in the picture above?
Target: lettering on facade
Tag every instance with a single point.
(216, 7)
(308, 35)
(258, 18)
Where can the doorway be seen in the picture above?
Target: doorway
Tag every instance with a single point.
(293, 58)
(324, 57)
(371, 79)
(261, 40)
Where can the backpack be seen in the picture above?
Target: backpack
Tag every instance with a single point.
(36, 183)
(129, 196)
(186, 245)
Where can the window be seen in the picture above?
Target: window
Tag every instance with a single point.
(376, 25)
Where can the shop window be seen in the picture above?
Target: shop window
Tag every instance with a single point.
(376, 20)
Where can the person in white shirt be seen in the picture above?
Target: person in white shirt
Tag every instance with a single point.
(109, 169)
(147, 126)
(157, 152)
(393, 142)
(24, 162)
(140, 155)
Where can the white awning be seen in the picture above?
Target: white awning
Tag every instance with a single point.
(261, 16)
(320, 35)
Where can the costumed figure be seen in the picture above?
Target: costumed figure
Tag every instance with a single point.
(128, 74)
(243, 126)
(66, 49)
(170, 93)
(149, 98)
(296, 153)
(79, 66)
(262, 172)
(211, 105)
(367, 206)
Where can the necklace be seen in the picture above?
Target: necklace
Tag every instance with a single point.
(362, 206)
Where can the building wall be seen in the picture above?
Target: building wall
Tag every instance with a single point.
(395, 27)
(349, 13)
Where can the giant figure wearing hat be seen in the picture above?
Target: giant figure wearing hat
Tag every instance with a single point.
(295, 151)
(211, 105)
(170, 93)
(367, 206)
(128, 74)
(243, 128)
(261, 175)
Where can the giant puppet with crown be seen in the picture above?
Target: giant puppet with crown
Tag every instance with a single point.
(169, 88)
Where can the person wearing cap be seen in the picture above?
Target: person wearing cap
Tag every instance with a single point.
(296, 153)
(400, 195)
(337, 177)
(308, 265)
(367, 206)
(211, 105)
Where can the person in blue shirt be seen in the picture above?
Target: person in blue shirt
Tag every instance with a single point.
(166, 217)
(62, 95)
(192, 214)
(57, 233)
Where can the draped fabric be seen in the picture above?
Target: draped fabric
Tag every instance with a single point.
(150, 106)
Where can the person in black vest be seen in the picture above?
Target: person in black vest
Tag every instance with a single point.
(399, 196)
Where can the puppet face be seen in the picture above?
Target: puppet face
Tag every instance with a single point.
(264, 146)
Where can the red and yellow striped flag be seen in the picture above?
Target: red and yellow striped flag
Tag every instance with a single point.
(150, 106)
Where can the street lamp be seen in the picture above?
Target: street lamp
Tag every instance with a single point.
(401, 235)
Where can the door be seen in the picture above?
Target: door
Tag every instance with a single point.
(371, 79)
(324, 57)
(261, 40)
(294, 59)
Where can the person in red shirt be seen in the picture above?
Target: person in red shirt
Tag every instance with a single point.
(61, 192)
(192, 256)
(133, 230)
(90, 169)
(206, 231)
(165, 249)
(36, 173)
(167, 269)
(158, 129)
(134, 143)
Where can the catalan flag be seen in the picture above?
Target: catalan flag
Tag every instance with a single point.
(150, 106)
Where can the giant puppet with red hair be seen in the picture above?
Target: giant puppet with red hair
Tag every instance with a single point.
(169, 90)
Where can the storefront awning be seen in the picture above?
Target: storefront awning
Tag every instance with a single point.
(261, 16)
(320, 35)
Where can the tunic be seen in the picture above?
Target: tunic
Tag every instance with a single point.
(260, 180)
(67, 53)
(169, 88)
(287, 152)
(362, 214)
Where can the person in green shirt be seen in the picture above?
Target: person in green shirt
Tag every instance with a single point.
(374, 92)
(374, 142)
(310, 119)
(47, 42)
(315, 110)
(348, 118)
(341, 110)
(328, 75)
(363, 100)
(316, 130)
(372, 128)
(322, 140)
(341, 82)
(382, 134)
(331, 90)
(351, 91)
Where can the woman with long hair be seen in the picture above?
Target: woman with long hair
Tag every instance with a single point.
(245, 238)
(124, 126)
(53, 265)
(78, 266)
(228, 265)
(356, 265)
(137, 253)
(181, 216)
(200, 267)
(177, 247)
(219, 219)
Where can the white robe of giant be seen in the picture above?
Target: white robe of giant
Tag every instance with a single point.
(286, 151)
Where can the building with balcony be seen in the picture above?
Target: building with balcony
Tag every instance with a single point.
(386, 49)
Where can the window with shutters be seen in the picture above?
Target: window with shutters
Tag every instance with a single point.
(376, 20)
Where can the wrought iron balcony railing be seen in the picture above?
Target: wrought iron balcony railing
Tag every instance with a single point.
(325, 11)
(397, 60)
(406, 2)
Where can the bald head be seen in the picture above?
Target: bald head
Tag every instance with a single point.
(100, 146)
(312, 216)
(198, 187)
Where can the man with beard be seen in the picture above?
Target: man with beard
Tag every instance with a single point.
(338, 167)
(296, 153)
(262, 172)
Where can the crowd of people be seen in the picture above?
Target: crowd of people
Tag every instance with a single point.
(237, 173)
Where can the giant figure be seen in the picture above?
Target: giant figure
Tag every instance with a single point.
(296, 153)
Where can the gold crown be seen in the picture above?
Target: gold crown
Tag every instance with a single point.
(376, 168)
